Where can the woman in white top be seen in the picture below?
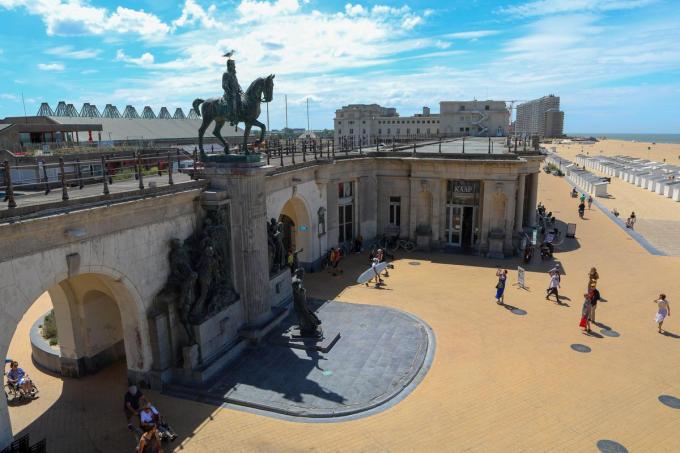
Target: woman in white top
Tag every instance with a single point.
(554, 285)
(663, 311)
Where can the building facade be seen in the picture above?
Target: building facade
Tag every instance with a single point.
(367, 123)
(540, 117)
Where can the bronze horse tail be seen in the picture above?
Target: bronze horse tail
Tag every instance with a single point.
(195, 105)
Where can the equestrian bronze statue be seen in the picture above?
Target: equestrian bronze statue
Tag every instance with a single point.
(235, 107)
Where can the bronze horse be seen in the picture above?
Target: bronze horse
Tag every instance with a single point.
(261, 90)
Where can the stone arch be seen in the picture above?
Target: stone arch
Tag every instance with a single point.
(21, 290)
(297, 211)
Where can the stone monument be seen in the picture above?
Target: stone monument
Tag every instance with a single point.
(235, 106)
(308, 323)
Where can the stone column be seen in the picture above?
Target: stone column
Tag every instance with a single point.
(69, 325)
(519, 204)
(533, 194)
(331, 214)
(244, 184)
(510, 211)
(368, 194)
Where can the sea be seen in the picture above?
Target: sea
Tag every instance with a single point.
(651, 138)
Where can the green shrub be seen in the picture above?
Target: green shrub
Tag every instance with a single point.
(49, 327)
(53, 341)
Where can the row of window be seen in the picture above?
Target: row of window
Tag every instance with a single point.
(427, 131)
(409, 122)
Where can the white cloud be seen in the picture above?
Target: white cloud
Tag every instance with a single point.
(476, 34)
(194, 14)
(74, 17)
(545, 7)
(251, 10)
(146, 59)
(51, 66)
(89, 71)
(354, 10)
(9, 97)
(69, 52)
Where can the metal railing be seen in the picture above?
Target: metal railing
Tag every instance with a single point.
(77, 174)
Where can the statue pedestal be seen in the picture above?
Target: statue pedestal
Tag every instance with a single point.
(244, 184)
(496, 239)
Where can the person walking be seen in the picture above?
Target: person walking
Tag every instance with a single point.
(594, 296)
(553, 287)
(581, 209)
(590, 201)
(500, 286)
(664, 309)
(586, 313)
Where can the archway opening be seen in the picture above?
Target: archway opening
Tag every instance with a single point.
(97, 337)
(297, 229)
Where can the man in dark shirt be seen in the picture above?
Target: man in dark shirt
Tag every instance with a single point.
(134, 401)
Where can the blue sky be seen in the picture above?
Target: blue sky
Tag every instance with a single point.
(615, 63)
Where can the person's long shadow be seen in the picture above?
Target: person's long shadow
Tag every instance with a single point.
(670, 334)
(602, 325)
(592, 334)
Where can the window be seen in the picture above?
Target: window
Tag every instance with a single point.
(345, 190)
(380, 131)
(486, 107)
(364, 132)
(389, 130)
(395, 211)
(351, 131)
(462, 108)
(462, 130)
(345, 228)
(408, 131)
(339, 122)
(363, 122)
(418, 131)
(345, 212)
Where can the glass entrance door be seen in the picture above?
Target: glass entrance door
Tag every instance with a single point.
(454, 225)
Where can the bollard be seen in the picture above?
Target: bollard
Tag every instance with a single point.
(139, 171)
(194, 174)
(158, 164)
(79, 174)
(9, 191)
(47, 180)
(64, 191)
(293, 153)
(105, 176)
(281, 153)
(463, 144)
(440, 145)
(170, 165)
(304, 152)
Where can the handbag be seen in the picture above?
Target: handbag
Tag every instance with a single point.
(584, 321)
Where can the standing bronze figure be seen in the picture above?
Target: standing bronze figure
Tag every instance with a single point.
(235, 106)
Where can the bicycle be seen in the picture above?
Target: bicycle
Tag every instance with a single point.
(395, 244)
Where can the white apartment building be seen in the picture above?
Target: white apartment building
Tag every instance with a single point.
(541, 117)
(368, 123)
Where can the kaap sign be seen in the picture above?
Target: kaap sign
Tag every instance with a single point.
(520, 277)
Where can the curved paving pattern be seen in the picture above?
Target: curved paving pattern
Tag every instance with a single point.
(380, 354)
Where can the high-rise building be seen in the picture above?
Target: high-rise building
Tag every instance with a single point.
(541, 117)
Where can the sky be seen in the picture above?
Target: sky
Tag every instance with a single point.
(614, 63)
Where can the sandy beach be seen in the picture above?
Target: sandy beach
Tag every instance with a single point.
(657, 152)
(658, 218)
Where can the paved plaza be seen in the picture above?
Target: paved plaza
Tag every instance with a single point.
(380, 352)
(501, 380)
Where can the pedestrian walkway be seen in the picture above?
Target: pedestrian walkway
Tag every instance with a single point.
(500, 381)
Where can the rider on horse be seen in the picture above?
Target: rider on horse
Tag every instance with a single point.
(232, 92)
